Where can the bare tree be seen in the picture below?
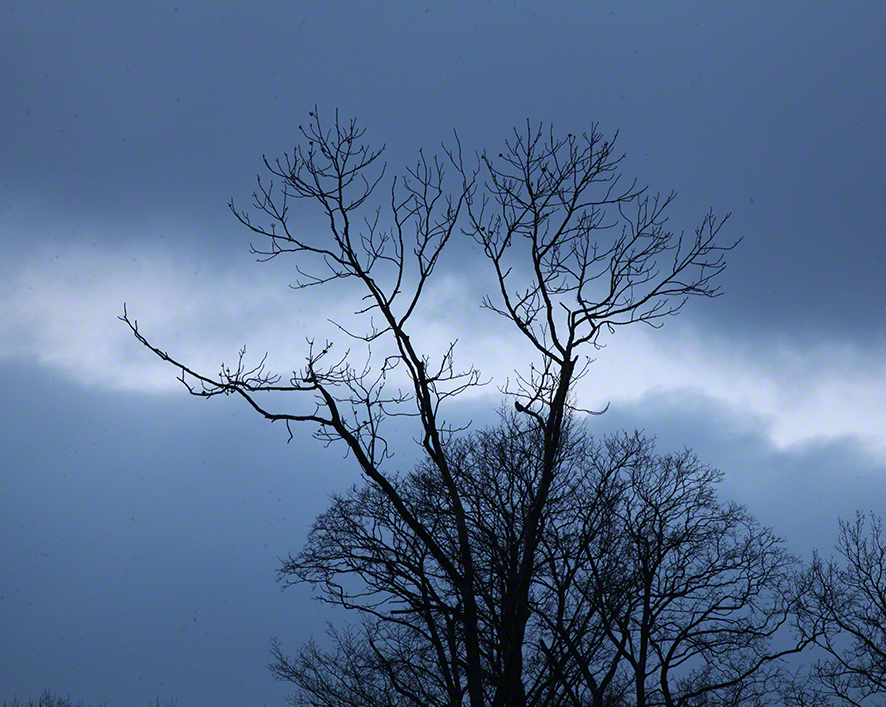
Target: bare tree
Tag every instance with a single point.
(574, 254)
(647, 589)
(847, 609)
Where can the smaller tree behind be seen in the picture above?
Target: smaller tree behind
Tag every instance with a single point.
(848, 601)
(708, 591)
(647, 589)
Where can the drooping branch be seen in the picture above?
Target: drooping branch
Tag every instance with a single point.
(336, 171)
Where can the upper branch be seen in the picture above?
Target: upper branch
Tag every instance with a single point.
(576, 252)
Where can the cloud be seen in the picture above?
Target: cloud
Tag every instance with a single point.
(60, 307)
(802, 392)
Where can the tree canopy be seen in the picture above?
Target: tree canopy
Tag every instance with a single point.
(645, 588)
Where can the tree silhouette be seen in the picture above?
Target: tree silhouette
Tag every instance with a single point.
(846, 610)
(646, 590)
(574, 253)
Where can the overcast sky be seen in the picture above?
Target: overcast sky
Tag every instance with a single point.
(140, 528)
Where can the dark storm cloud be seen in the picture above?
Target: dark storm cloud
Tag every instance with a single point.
(768, 110)
(799, 490)
(143, 531)
(140, 542)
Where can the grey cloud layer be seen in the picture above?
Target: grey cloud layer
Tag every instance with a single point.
(768, 112)
(132, 510)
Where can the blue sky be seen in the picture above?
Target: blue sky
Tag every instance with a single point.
(141, 528)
